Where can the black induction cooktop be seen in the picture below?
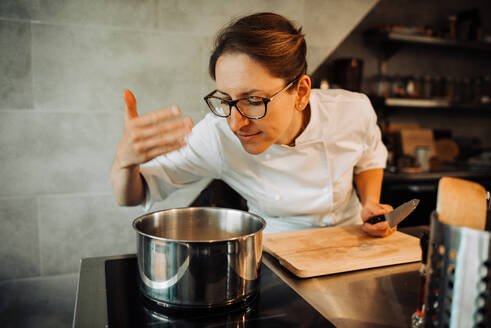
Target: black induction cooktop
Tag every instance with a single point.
(275, 305)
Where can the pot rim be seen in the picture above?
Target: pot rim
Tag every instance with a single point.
(135, 221)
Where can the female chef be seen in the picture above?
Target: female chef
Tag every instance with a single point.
(290, 151)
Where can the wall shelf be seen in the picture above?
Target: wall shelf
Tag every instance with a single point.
(391, 41)
(432, 103)
(386, 107)
(422, 103)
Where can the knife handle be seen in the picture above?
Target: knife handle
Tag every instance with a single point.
(375, 219)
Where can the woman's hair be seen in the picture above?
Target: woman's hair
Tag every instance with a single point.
(268, 38)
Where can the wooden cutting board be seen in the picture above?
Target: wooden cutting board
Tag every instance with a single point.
(316, 252)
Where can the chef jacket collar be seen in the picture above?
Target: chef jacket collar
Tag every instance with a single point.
(313, 132)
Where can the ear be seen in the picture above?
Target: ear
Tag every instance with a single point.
(303, 92)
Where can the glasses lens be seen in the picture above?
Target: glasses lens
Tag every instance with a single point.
(252, 106)
(218, 106)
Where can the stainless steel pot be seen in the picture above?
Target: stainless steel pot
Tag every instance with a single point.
(199, 257)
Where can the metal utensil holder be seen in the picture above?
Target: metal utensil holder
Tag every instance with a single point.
(458, 276)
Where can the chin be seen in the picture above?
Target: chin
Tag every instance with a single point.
(255, 149)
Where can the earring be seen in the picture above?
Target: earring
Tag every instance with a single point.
(299, 106)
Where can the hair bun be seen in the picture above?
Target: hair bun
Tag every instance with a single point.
(269, 38)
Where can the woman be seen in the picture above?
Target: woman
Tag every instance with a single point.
(290, 151)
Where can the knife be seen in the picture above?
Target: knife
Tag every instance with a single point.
(395, 216)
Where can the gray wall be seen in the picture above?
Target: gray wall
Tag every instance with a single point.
(422, 60)
(63, 66)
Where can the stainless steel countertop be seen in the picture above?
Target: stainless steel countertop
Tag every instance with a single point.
(380, 297)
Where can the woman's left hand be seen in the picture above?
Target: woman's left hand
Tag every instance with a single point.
(380, 229)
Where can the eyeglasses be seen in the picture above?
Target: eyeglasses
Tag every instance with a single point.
(252, 107)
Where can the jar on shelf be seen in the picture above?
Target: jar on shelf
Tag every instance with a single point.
(398, 87)
(439, 83)
(381, 85)
(476, 89)
(428, 89)
(418, 86)
(458, 91)
(466, 90)
(411, 87)
(449, 88)
(452, 26)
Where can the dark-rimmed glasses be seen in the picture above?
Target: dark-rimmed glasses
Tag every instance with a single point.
(252, 107)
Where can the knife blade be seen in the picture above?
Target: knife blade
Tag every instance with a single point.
(396, 216)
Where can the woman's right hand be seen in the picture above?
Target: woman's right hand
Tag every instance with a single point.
(150, 135)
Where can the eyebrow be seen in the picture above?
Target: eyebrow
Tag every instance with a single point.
(243, 94)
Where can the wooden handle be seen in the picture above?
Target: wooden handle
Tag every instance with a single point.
(461, 203)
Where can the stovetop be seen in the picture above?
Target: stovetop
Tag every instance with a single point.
(276, 305)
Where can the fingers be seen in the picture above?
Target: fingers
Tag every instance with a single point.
(165, 129)
(157, 116)
(387, 208)
(130, 101)
(374, 210)
(157, 133)
(380, 229)
(160, 128)
(148, 136)
(133, 153)
(162, 140)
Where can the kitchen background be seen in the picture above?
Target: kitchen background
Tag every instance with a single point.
(419, 61)
(63, 66)
(434, 91)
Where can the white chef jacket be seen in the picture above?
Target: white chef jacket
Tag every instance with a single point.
(308, 185)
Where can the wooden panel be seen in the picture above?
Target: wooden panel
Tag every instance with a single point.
(315, 252)
(462, 203)
(411, 139)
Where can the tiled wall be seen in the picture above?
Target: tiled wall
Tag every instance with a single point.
(63, 66)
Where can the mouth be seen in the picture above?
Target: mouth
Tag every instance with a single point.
(247, 136)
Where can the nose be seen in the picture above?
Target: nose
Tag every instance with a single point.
(236, 120)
